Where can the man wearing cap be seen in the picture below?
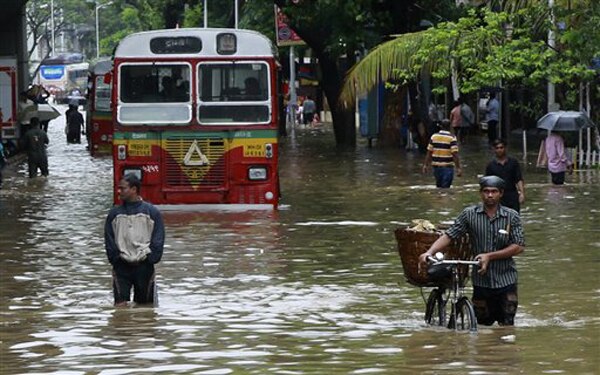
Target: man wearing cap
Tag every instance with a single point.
(442, 155)
(496, 236)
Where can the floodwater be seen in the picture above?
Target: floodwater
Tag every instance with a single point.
(316, 287)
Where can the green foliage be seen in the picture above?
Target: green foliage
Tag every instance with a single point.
(194, 16)
(488, 48)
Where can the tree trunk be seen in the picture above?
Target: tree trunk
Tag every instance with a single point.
(173, 13)
(344, 126)
(344, 123)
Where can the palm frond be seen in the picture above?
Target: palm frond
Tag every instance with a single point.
(388, 61)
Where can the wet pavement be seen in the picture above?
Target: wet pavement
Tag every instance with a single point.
(316, 287)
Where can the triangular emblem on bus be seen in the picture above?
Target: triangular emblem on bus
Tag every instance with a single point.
(199, 160)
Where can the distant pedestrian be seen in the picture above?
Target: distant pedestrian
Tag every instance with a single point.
(134, 237)
(558, 162)
(442, 155)
(75, 124)
(456, 119)
(309, 108)
(468, 120)
(35, 142)
(508, 169)
(492, 116)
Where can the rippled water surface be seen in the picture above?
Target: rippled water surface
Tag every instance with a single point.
(314, 288)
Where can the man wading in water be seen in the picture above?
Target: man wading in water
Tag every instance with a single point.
(496, 236)
(134, 237)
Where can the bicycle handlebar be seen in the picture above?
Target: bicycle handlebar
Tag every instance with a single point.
(452, 261)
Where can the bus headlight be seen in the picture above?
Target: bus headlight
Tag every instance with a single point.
(257, 173)
(121, 152)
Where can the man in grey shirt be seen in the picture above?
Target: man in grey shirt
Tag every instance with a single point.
(496, 236)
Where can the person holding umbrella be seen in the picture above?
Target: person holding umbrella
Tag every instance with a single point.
(558, 162)
(555, 122)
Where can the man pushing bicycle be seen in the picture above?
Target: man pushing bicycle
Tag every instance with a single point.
(496, 236)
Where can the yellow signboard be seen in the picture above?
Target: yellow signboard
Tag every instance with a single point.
(254, 151)
(140, 149)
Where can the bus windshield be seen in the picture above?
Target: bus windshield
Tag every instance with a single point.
(233, 92)
(155, 84)
(166, 86)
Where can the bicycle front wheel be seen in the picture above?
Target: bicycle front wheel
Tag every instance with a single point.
(464, 317)
(435, 311)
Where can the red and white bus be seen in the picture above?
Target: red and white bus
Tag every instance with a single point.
(195, 116)
(99, 126)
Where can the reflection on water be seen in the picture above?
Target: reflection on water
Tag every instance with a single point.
(316, 287)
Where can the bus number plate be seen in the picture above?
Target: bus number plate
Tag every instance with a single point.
(140, 149)
(254, 151)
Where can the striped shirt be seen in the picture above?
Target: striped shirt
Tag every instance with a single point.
(442, 145)
(488, 235)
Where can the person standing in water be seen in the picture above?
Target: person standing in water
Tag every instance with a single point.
(134, 238)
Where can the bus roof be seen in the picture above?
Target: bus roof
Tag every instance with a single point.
(249, 43)
(64, 59)
(101, 67)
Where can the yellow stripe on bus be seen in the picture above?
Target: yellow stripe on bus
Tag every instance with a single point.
(253, 147)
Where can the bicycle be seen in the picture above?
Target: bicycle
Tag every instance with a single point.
(462, 314)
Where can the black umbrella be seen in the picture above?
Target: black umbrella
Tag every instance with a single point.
(564, 121)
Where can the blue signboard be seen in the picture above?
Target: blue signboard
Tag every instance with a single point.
(363, 107)
(370, 110)
(52, 72)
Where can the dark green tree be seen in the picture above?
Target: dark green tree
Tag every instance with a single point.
(338, 31)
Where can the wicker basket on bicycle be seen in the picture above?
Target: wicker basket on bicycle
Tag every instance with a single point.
(412, 243)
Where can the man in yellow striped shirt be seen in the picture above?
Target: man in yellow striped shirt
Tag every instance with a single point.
(442, 155)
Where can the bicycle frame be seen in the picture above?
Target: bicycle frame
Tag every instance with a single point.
(457, 298)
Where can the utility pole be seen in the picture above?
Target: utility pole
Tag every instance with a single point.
(52, 25)
(552, 44)
(293, 98)
(98, 7)
(236, 12)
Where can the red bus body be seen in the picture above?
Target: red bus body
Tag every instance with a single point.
(195, 116)
(99, 122)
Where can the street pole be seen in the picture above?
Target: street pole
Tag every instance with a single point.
(98, 7)
(205, 13)
(52, 25)
(235, 4)
(97, 34)
(293, 98)
(551, 44)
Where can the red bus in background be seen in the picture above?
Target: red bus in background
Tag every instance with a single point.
(196, 117)
(99, 124)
